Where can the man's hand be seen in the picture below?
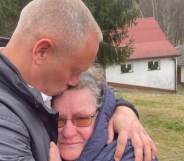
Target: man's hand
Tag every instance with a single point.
(126, 124)
(54, 152)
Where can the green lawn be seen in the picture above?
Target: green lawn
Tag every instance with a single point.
(163, 117)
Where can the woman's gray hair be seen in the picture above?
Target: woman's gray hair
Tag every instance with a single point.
(88, 81)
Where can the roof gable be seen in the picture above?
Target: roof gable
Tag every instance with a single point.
(149, 41)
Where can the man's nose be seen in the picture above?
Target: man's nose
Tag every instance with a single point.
(74, 81)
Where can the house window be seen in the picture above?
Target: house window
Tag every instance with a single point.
(126, 68)
(153, 65)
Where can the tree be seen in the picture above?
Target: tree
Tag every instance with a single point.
(114, 17)
(8, 15)
(169, 14)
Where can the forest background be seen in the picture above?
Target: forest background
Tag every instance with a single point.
(111, 15)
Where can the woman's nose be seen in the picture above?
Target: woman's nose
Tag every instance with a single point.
(69, 130)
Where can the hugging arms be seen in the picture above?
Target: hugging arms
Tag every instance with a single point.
(84, 112)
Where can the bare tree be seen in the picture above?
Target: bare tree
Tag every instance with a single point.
(170, 15)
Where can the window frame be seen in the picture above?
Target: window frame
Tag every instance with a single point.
(153, 65)
(126, 68)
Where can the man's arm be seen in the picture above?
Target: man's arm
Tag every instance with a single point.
(129, 153)
(14, 138)
(125, 122)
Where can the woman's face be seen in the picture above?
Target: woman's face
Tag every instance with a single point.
(74, 104)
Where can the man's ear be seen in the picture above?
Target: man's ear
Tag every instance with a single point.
(41, 50)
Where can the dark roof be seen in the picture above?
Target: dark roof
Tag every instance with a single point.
(149, 40)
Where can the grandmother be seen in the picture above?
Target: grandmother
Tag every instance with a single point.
(83, 123)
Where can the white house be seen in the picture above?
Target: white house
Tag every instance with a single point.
(153, 63)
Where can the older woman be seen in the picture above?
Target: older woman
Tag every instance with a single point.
(83, 123)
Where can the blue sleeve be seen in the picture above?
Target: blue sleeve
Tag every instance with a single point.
(111, 102)
(108, 100)
(14, 138)
(129, 153)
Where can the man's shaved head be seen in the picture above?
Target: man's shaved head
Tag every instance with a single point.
(64, 21)
(53, 43)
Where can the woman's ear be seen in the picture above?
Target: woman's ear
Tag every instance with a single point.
(41, 50)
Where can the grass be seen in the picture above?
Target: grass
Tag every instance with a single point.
(163, 117)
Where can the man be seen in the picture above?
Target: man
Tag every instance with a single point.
(54, 41)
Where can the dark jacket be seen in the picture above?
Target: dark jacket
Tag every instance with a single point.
(26, 125)
(97, 148)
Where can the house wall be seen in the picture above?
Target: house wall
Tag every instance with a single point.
(182, 74)
(141, 76)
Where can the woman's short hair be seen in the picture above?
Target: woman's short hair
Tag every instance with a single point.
(88, 81)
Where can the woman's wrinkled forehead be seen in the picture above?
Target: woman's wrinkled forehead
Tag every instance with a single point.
(78, 99)
(87, 82)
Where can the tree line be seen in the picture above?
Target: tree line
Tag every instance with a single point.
(170, 15)
(114, 17)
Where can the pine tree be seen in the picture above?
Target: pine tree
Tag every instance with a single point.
(114, 18)
(9, 10)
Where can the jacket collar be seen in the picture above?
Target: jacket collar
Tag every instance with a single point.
(11, 77)
(99, 137)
